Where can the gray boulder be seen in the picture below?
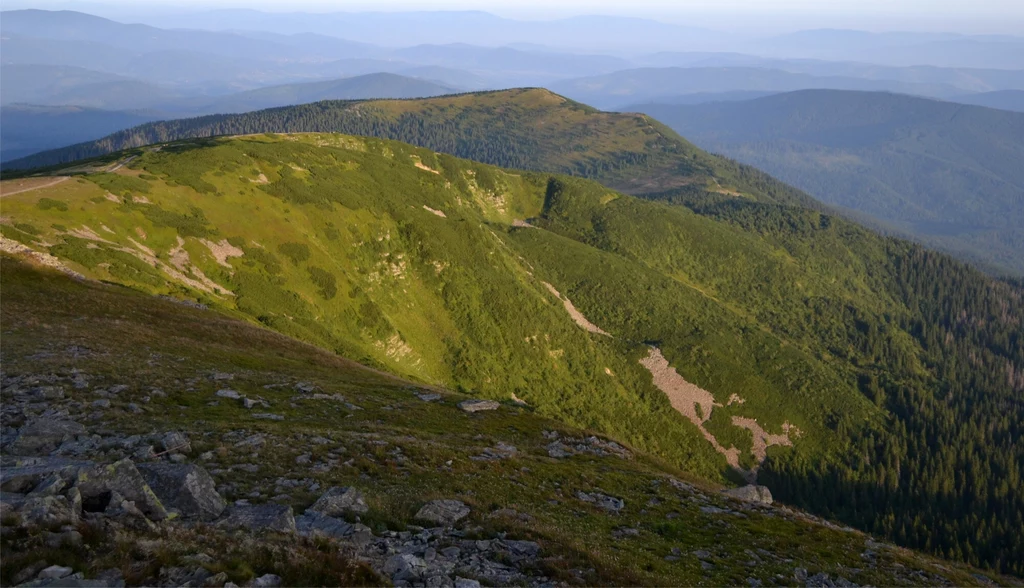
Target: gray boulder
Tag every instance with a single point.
(478, 405)
(186, 488)
(314, 523)
(405, 567)
(55, 572)
(175, 442)
(443, 512)
(33, 472)
(338, 501)
(44, 435)
(47, 511)
(268, 581)
(97, 483)
(272, 517)
(750, 493)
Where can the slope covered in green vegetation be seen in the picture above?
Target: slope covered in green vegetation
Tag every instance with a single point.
(892, 373)
(946, 174)
(524, 128)
(168, 360)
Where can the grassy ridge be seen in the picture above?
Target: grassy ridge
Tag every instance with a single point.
(530, 129)
(399, 451)
(412, 261)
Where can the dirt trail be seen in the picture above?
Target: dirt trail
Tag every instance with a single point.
(576, 315)
(30, 188)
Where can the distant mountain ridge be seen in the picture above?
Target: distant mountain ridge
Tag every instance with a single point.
(949, 174)
(525, 128)
(634, 86)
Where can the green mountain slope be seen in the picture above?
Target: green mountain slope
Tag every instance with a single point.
(944, 173)
(525, 128)
(731, 337)
(167, 360)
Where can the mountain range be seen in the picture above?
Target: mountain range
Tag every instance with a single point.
(356, 299)
(944, 173)
(719, 320)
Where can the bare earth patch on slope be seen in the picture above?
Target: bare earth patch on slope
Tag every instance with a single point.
(576, 315)
(696, 404)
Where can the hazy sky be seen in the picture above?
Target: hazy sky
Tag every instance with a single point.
(1004, 16)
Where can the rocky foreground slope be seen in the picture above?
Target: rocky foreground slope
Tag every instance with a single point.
(146, 441)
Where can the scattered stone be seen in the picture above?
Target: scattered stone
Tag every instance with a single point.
(267, 416)
(478, 405)
(250, 403)
(252, 441)
(55, 573)
(609, 503)
(180, 576)
(338, 501)
(443, 512)
(267, 581)
(623, 532)
(176, 442)
(44, 435)
(229, 393)
(25, 478)
(405, 567)
(428, 396)
(274, 517)
(101, 403)
(500, 451)
(29, 572)
(559, 450)
(466, 583)
(185, 488)
(314, 523)
(750, 493)
(306, 387)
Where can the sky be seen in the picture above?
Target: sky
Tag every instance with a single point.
(969, 16)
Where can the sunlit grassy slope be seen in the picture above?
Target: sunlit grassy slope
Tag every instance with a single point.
(416, 262)
(525, 128)
(400, 451)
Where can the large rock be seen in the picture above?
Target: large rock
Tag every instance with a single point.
(186, 488)
(478, 405)
(44, 435)
(49, 511)
(31, 472)
(750, 493)
(443, 512)
(272, 517)
(338, 501)
(97, 484)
